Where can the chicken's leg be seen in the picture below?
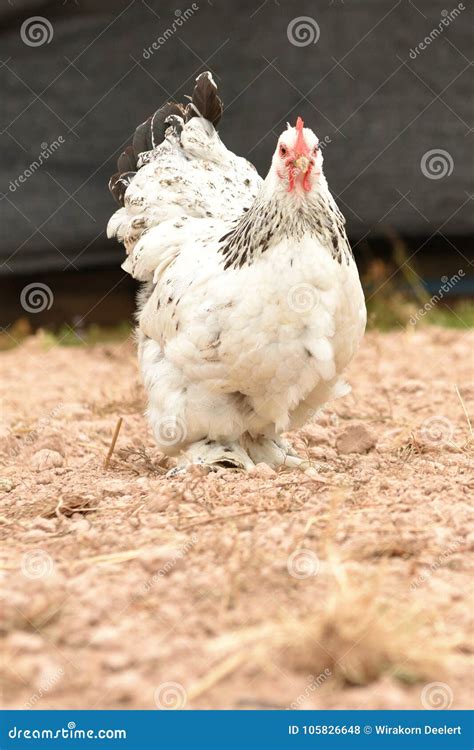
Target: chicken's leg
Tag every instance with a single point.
(272, 451)
(214, 455)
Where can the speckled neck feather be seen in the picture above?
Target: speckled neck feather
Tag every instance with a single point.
(269, 220)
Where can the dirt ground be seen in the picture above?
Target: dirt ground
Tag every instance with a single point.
(345, 587)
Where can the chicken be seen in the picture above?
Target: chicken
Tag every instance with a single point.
(252, 306)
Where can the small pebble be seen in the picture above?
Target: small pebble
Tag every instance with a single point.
(262, 470)
(46, 459)
(355, 438)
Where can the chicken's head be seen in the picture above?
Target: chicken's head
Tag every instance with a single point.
(298, 160)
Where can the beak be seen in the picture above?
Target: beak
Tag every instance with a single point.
(302, 163)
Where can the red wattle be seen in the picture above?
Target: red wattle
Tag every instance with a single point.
(306, 182)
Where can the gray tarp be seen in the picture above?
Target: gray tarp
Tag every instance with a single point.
(362, 85)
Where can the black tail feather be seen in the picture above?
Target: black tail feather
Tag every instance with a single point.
(205, 103)
(118, 184)
(127, 161)
(151, 133)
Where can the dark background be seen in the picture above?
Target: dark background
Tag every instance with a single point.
(357, 87)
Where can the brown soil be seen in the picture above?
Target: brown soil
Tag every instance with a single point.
(348, 587)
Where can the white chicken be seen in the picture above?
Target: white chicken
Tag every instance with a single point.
(252, 306)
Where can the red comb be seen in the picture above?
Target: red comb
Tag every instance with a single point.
(300, 145)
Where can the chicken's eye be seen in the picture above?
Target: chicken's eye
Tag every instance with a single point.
(283, 150)
(315, 149)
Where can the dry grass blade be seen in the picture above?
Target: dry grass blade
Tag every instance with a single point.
(463, 406)
(114, 440)
(114, 557)
(358, 635)
(138, 460)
